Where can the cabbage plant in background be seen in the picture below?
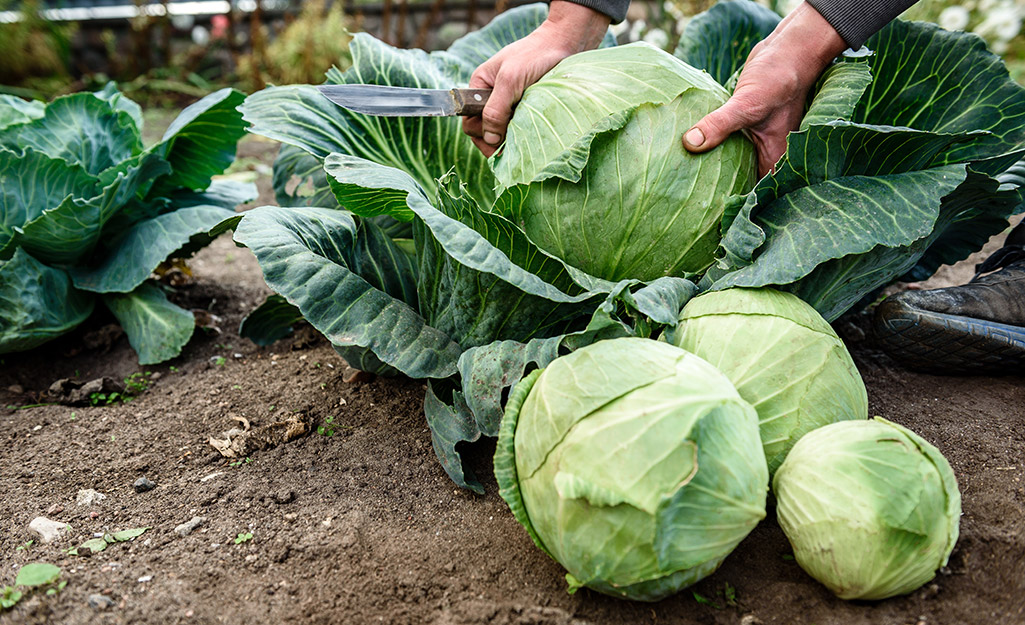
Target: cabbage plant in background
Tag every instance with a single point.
(871, 509)
(899, 166)
(87, 213)
(781, 355)
(634, 464)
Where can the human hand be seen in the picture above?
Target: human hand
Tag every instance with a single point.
(769, 98)
(569, 28)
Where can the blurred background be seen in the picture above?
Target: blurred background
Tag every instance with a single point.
(165, 53)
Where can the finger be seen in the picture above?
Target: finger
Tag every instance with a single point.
(715, 127)
(508, 89)
(473, 126)
(485, 148)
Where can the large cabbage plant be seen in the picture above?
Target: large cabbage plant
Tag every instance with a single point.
(87, 213)
(900, 165)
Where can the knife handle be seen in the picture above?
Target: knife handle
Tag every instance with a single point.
(470, 102)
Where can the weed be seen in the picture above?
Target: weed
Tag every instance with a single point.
(237, 387)
(25, 546)
(173, 369)
(789, 557)
(240, 462)
(243, 538)
(73, 416)
(32, 575)
(328, 428)
(135, 384)
(323, 385)
(730, 595)
(220, 360)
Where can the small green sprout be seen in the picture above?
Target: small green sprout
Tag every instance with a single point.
(243, 538)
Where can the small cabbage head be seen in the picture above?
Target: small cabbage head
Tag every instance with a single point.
(783, 358)
(634, 464)
(595, 171)
(870, 508)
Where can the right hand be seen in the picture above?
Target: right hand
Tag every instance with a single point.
(771, 90)
(569, 28)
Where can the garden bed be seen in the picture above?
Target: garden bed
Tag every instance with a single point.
(356, 522)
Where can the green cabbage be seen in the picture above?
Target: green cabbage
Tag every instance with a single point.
(870, 508)
(783, 358)
(595, 170)
(634, 464)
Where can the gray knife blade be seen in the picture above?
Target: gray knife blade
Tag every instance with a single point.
(406, 102)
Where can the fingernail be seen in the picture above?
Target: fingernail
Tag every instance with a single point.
(492, 138)
(694, 137)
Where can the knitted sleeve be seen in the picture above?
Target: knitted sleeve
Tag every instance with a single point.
(615, 9)
(857, 20)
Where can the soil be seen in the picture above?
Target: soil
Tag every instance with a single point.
(353, 519)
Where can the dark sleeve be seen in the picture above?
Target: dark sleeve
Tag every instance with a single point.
(615, 9)
(857, 20)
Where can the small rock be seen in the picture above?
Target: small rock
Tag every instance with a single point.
(143, 485)
(94, 515)
(88, 497)
(251, 558)
(283, 496)
(156, 375)
(750, 619)
(100, 602)
(48, 530)
(17, 389)
(55, 509)
(145, 578)
(187, 528)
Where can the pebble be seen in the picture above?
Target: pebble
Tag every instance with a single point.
(251, 558)
(187, 528)
(88, 497)
(100, 602)
(48, 530)
(143, 485)
(55, 509)
(145, 578)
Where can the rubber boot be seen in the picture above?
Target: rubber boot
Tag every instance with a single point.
(978, 327)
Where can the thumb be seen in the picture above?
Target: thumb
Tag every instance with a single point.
(714, 128)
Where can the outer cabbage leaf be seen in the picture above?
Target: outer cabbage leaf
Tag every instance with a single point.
(720, 39)
(31, 183)
(157, 329)
(80, 129)
(931, 79)
(271, 321)
(349, 282)
(68, 233)
(128, 262)
(37, 303)
(14, 110)
(200, 142)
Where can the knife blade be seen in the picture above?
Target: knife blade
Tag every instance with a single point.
(406, 102)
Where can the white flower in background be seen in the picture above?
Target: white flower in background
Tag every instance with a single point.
(673, 10)
(998, 47)
(1002, 23)
(636, 29)
(988, 5)
(681, 25)
(954, 18)
(657, 37)
(200, 35)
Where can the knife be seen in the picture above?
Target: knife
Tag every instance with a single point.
(407, 102)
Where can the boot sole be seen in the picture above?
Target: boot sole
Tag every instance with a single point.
(948, 344)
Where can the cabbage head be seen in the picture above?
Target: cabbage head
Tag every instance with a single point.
(595, 171)
(634, 464)
(783, 358)
(870, 508)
